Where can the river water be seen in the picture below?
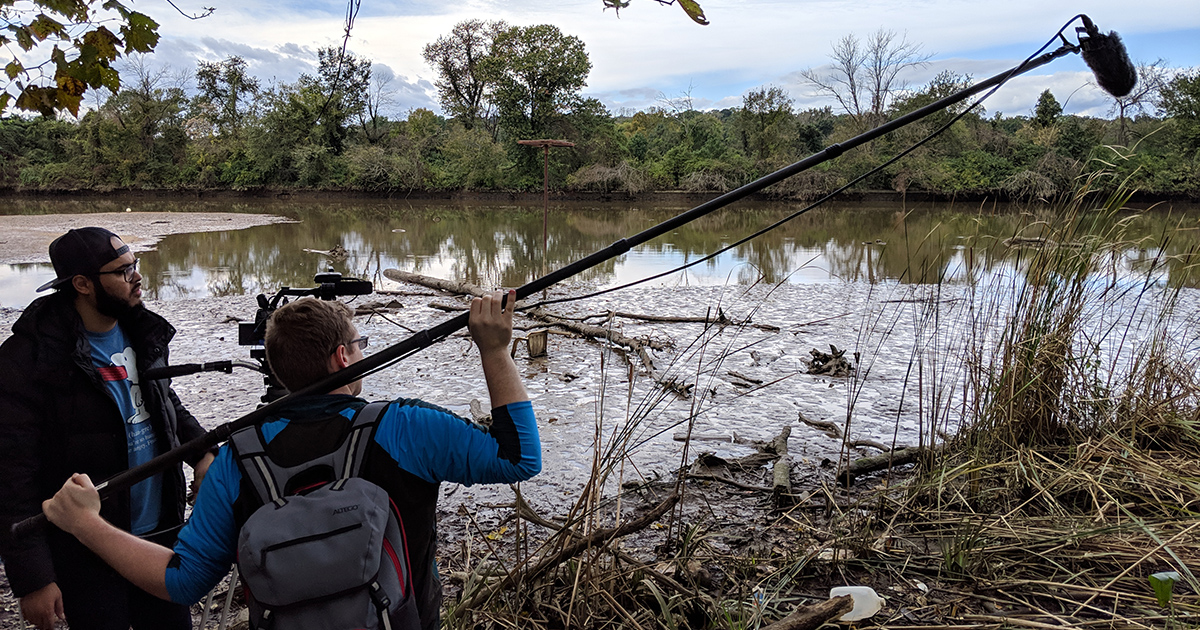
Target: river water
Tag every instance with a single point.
(502, 245)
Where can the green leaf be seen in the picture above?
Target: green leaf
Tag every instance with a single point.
(141, 33)
(58, 57)
(110, 79)
(113, 5)
(694, 11)
(5, 97)
(104, 41)
(13, 68)
(38, 99)
(24, 37)
(70, 93)
(76, 10)
(70, 102)
(42, 27)
(1163, 583)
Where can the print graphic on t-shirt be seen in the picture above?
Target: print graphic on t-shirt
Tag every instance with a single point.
(113, 373)
(128, 363)
(116, 362)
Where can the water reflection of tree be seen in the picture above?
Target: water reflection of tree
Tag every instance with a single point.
(495, 245)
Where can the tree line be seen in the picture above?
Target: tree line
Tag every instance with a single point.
(498, 84)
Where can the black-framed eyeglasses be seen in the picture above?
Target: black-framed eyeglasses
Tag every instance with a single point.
(127, 271)
(362, 343)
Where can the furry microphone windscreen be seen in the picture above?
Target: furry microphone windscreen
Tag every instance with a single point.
(1106, 56)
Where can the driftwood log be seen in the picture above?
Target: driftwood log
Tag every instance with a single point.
(864, 465)
(888, 458)
(835, 432)
(815, 616)
(833, 363)
(449, 286)
(775, 452)
(719, 319)
(640, 347)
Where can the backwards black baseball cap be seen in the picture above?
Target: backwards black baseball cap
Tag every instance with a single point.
(82, 252)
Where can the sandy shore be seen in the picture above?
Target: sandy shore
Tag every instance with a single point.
(26, 238)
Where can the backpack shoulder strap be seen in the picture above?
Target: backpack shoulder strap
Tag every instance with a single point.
(361, 433)
(251, 453)
(269, 479)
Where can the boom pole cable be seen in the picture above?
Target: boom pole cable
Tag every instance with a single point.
(425, 338)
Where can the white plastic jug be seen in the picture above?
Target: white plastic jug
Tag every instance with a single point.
(866, 601)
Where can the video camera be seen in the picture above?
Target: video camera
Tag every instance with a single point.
(330, 285)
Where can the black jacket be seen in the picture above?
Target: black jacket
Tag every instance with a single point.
(57, 418)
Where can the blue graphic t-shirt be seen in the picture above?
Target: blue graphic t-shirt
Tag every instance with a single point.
(117, 364)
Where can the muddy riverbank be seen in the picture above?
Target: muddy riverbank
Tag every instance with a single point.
(598, 408)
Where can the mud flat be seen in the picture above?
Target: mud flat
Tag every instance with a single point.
(26, 238)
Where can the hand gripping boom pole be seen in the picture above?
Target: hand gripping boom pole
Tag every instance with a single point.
(421, 340)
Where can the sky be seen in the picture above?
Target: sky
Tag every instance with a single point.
(651, 54)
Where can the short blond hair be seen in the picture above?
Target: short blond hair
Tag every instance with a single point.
(300, 337)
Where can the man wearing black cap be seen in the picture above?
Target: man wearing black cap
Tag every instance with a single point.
(71, 400)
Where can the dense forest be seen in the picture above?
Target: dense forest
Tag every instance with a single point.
(218, 127)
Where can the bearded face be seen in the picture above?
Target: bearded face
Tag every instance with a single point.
(118, 304)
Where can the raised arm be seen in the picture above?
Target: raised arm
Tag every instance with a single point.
(491, 328)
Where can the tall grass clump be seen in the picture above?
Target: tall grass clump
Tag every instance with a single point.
(1074, 345)
(1074, 470)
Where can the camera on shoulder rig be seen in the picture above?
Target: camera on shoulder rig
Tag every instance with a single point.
(330, 286)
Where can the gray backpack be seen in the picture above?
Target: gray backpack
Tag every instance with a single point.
(328, 556)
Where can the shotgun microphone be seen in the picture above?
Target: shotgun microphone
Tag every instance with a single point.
(1106, 56)
(172, 371)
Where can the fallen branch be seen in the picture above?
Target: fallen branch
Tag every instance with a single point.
(526, 512)
(449, 286)
(637, 346)
(596, 538)
(883, 461)
(835, 432)
(832, 363)
(748, 379)
(728, 439)
(449, 308)
(720, 319)
(815, 616)
(404, 293)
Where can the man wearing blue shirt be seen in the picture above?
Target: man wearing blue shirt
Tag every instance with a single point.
(72, 399)
(416, 447)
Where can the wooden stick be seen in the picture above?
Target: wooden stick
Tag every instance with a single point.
(781, 489)
(719, 319)
(887, 459)
(526, 512)
(638, 346)
(815, 616)
(600, 536)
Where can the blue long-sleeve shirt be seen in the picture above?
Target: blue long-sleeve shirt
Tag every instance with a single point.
(428, 443)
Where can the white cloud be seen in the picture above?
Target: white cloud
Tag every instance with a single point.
(652, 50)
